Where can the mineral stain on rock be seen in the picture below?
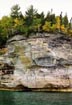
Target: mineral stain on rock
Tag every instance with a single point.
(38, 63)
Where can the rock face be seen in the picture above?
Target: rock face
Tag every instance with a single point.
(43, 62)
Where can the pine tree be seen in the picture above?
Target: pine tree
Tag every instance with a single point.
(15, 11)
(65, 20)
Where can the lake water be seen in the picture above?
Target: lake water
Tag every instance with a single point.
(35, 98)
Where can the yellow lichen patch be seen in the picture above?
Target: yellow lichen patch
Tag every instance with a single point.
(67, 66)
(25, 60)
(3, 51)
(1, 65)
(19, 50)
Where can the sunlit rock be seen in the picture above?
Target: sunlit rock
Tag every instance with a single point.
(40, 62)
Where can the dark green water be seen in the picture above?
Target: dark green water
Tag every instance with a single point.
(35, 98)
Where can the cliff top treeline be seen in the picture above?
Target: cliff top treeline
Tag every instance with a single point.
(32, 22)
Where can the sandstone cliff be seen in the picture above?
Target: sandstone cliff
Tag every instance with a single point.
(43, 62)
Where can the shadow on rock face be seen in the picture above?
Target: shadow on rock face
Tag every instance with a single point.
(45, 61)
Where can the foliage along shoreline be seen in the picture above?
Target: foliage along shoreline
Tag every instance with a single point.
(32, 22)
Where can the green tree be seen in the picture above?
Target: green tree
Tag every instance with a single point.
(47, 18)
(50, 18)
(6, 24)
(30, 13)
(65, 21)
(41, 16)
(40, 20)
(61, 20)
(19, 26)
(15, 11)
(3, 36)
(36, 24)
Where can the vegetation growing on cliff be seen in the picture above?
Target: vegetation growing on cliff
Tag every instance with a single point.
(32, 21)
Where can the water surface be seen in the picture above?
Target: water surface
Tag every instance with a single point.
(35, 98)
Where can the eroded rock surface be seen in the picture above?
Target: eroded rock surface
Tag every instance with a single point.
(40, 62)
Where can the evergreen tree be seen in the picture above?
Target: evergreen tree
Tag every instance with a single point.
(15, 11)
(70, 23)
(30, 13)
(50, 17)
(61, 20)
(65, 20)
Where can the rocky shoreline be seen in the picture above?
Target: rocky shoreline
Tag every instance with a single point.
(35, 90)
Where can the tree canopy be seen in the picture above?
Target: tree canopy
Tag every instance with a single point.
(32, 22)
